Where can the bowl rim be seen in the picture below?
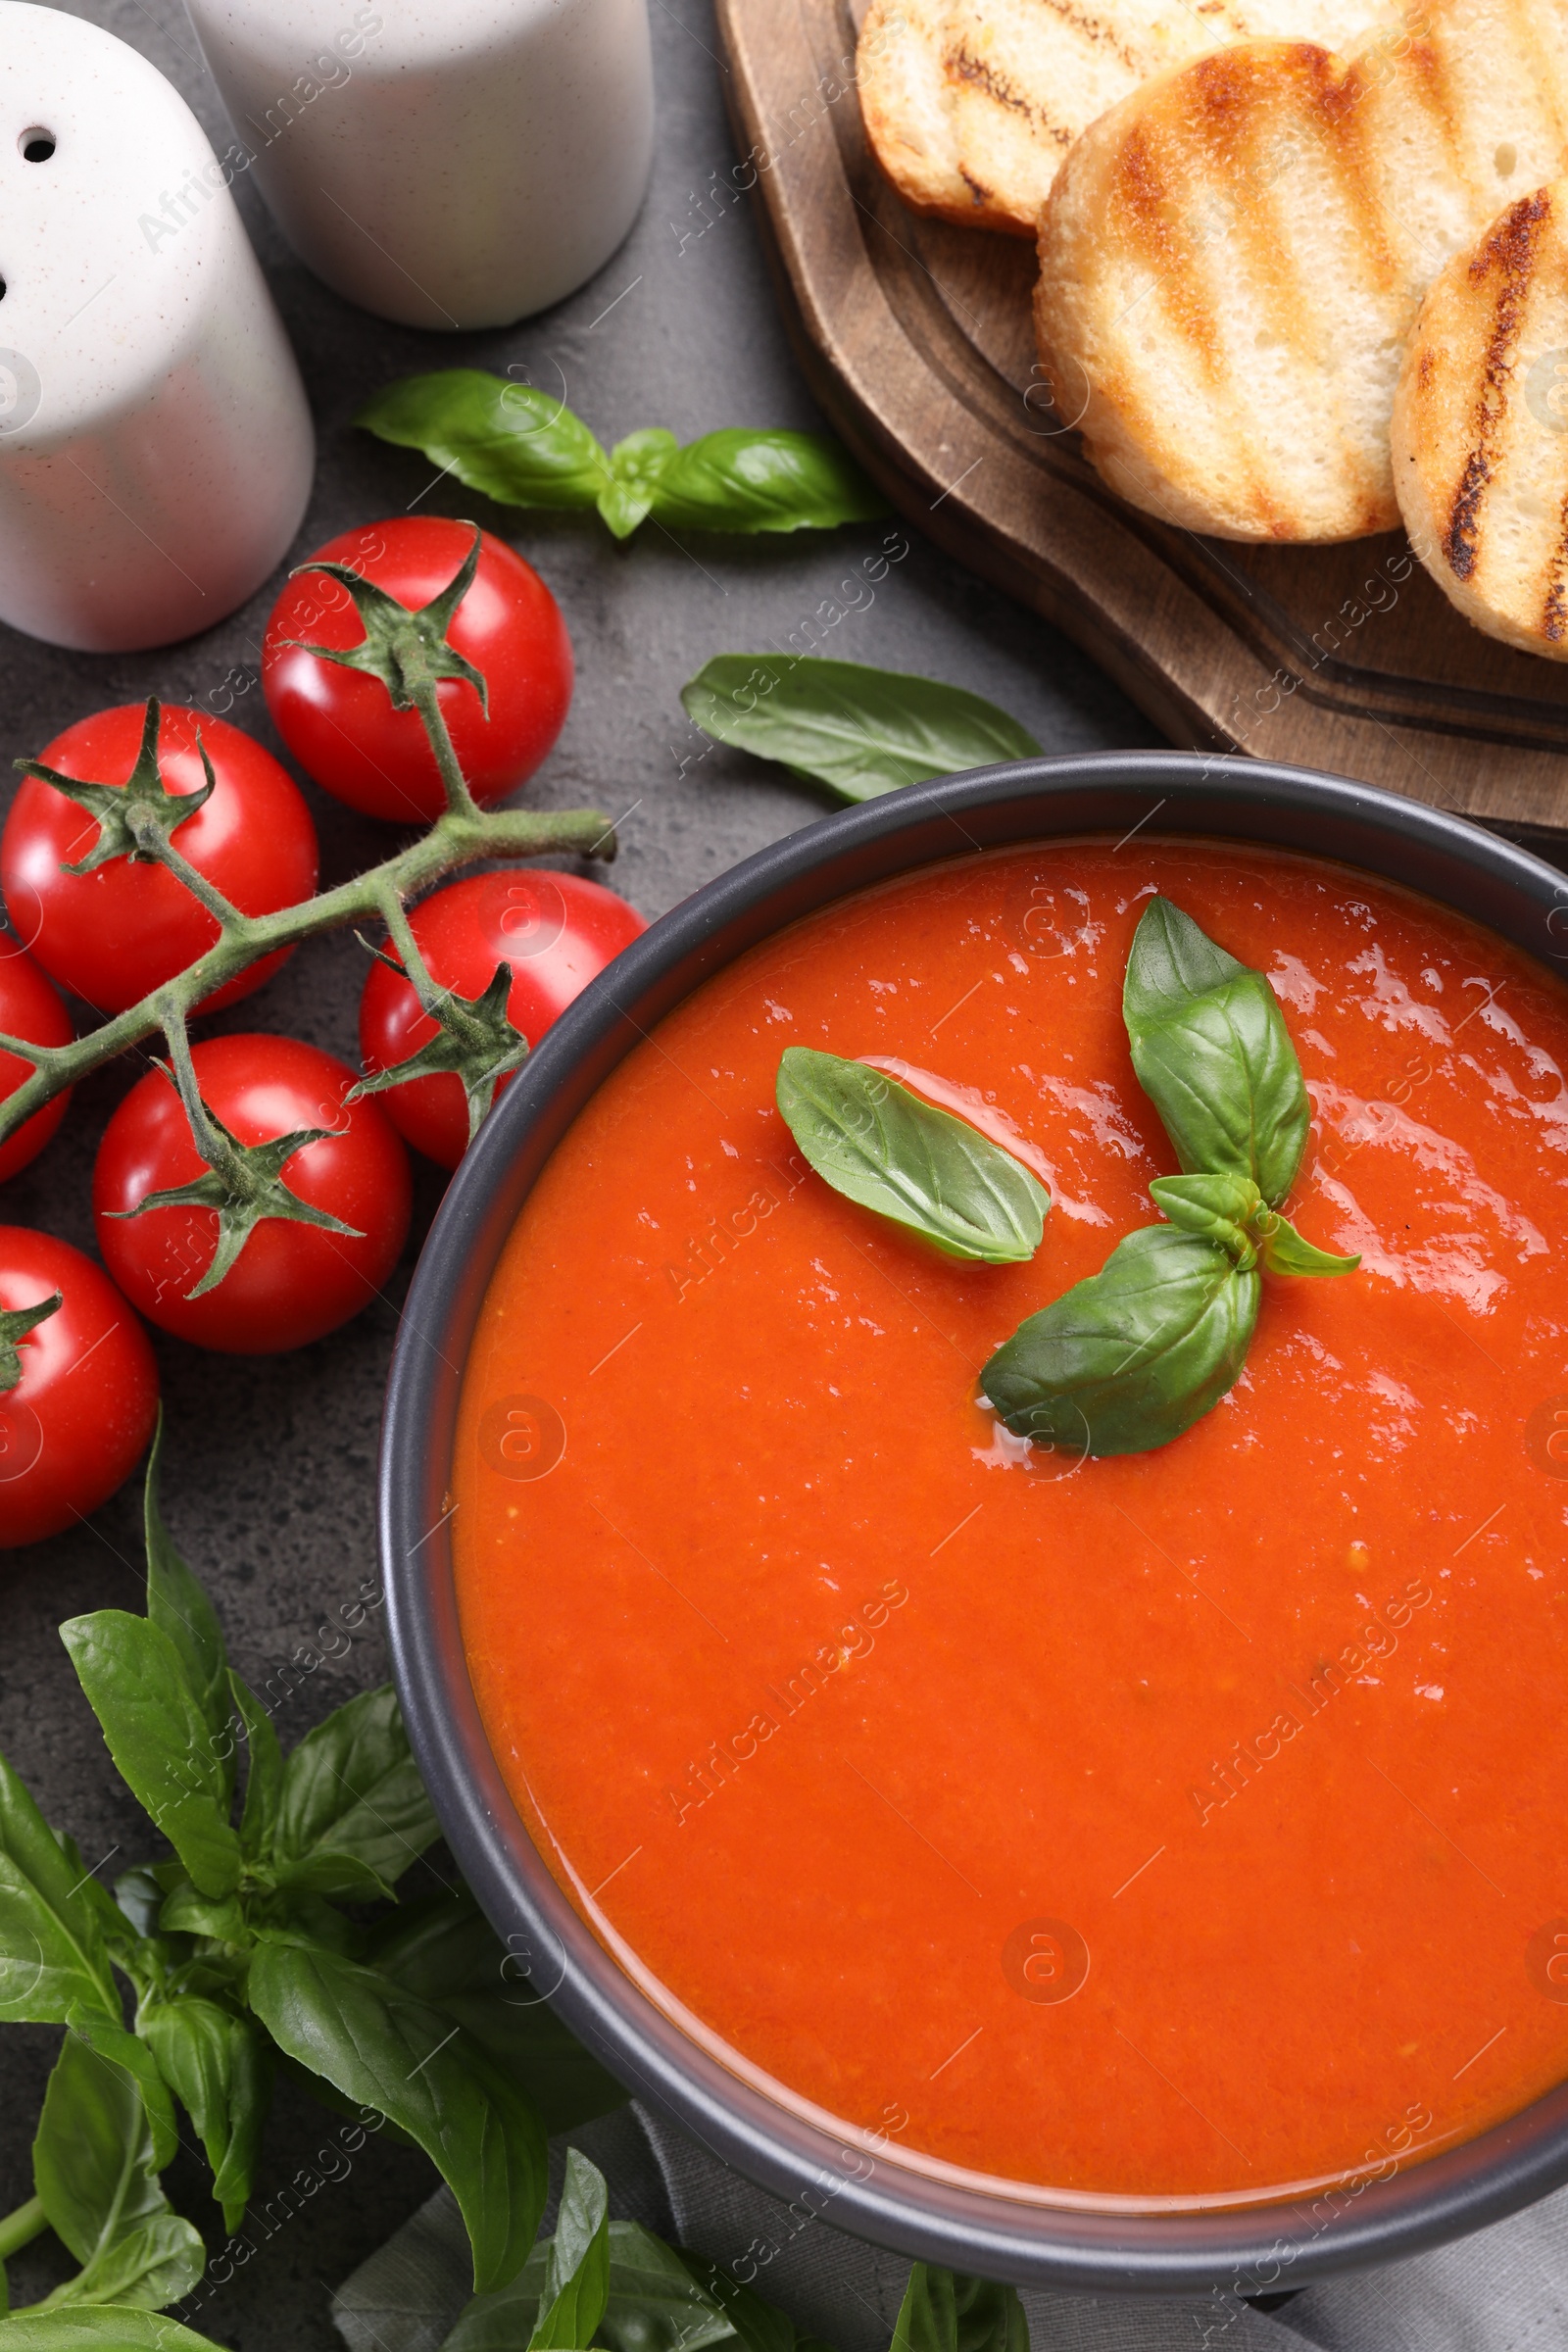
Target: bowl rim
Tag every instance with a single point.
(1376, 2215)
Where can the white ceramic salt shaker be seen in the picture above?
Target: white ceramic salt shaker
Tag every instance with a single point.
(444, 163)
(156, 449)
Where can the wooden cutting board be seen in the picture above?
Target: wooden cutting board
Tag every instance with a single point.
(916, 339)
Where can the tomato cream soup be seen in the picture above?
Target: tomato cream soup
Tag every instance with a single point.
(1184, 1826)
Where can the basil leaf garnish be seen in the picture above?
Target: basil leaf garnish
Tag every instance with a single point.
(656, 2303)
(516, 444)
(741, 480)
(53, 1958)
(352, 1809)
(96, 2172)
(635, 466)
(1212, 1050)
(382, 2048)
(880, 1144)
(943, 2311)
(219, 2068)
(1284, 1251)
(524, 447)
(156, 1733)
(576, 2283)
(98, 2327)
(1138, 1352)
(862, 731)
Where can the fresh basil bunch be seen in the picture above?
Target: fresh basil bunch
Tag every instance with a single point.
(880, 1144)
(524, 449)
(1130, 1358)
(236, 1958)
(860, 731)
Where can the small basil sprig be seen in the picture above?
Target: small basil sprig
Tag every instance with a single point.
(1134, 1356)
(880, 1144)
(525, 449)
(862, 731)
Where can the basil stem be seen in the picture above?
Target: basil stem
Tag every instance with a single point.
(862, 731)
(1211, 1051)
(1138, 1352)
(524, 448)
(879, 1144)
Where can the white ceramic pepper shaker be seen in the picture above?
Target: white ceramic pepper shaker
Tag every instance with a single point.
(156, 449)
(444, 163)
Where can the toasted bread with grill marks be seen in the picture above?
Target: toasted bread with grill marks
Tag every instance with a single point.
(1481, 428)
(1233, 257)
(906, 104)
(971, 105)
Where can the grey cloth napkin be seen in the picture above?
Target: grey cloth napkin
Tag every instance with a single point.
(1503, 2290)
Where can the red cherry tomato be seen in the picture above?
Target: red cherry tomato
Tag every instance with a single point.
(340, 724)
(291, 1283)
(79, 1418)
(28, 1008)
(115, 934)
(553, 930)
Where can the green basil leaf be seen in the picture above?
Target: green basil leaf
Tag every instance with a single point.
(759, 2326)
(109, 2330)
(1213, 1053)
(516, 444)
(177, 1603)
(93, 2159)
(655, 2303)
(188, 1912)
(383, 2048)
(1219, 1207)
(635, 467)
(140, 1898)
(353, 1807)
(110, 2041)
(53, 1955)
(216, 2066)
(576, 2281)
(862, 731)
(1130, 1358)
(147, 2268)
(446, 1952)
(156, 1733)
(879, 1144)
(945, 2311)
(264, 1771)
(1284, 1251)
(768, 481)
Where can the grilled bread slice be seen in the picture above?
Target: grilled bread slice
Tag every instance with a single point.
(1481, 428)
(907, 102)
(971, 105)
(1233, 257)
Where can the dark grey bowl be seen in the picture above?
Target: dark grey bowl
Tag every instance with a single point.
(1237, 2251)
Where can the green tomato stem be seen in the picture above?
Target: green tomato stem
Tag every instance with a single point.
(428, 701)
(20, 2228)
(462, 836)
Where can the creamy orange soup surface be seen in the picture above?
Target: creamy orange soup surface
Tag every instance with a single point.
(1185, 1826)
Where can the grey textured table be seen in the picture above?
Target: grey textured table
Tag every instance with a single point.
(270, 1478)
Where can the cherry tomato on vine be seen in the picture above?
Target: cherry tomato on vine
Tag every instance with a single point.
(292, 1282)
(29, 1008)
(113, 935)
(340, 724)
(555, 931)
(78, 1413)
